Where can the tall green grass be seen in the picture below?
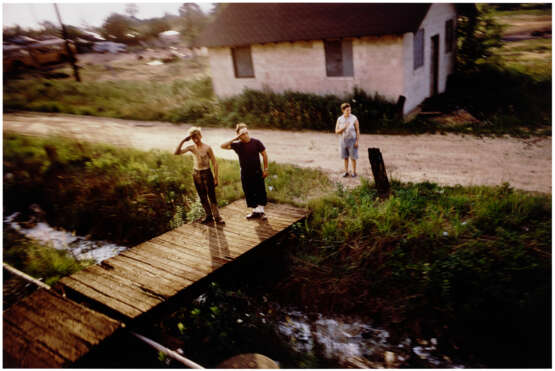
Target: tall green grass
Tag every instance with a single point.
(476, 260)
(303, 111)
(176, 101)
(125, 195)
(42, 262)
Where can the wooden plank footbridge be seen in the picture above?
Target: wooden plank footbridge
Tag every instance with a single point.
(55, 328)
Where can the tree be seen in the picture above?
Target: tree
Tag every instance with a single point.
(116, 26)
(193, 21)
(477, 35)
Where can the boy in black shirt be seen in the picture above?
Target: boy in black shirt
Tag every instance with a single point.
(252, 175)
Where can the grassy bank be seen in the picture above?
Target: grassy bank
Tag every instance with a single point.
(472, 265)
(513, 97)
(124, 195)
(502, 99)
(42, 262)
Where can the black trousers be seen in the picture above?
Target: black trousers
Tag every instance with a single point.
(204, 183)
(254, 188)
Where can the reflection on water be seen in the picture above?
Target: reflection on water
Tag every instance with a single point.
(80, 247)
(355, 344)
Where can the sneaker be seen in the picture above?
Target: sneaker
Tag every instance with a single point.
(220, 221)
(345, 175)
(207, 220)
(253, 215)
(354, 175)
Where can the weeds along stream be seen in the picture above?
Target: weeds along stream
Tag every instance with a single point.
(461, 272)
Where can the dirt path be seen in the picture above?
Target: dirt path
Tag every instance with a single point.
(444, 159)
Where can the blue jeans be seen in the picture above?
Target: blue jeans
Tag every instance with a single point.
(347, 148)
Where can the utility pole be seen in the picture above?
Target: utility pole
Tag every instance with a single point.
(72, 58)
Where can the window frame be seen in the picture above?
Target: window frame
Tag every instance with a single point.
(235, 54)
(419, 46)
(344, 56)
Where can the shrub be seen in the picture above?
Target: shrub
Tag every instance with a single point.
(305, 111)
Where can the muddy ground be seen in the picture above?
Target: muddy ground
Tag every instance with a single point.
(444, 159)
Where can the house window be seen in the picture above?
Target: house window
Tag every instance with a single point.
(339, 57)
(242, 61)
(449, 36)
(418, 49)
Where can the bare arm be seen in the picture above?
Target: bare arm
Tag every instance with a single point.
(178, 150)
(358, 133)
(265, 162)
(227, 145)
(214, 165)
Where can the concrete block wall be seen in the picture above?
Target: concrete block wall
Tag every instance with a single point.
(418, 82)
(301, 66)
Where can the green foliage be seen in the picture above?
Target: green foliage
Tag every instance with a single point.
(39, 261)
(225, 322)
(504, 100)
(121, 194)
(453, 255)
(477, 34)
(529, 57)
(178, 101)
(304, 111)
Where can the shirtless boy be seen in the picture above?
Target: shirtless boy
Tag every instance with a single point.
(205, 183)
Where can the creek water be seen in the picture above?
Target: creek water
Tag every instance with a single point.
(351, 342)
(80, 247)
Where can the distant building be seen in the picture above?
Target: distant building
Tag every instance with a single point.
(170, 37)
(403, 49)
(109, 47)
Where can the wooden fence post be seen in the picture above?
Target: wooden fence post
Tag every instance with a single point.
(378, 170)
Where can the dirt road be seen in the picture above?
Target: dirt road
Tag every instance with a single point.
(444, 159)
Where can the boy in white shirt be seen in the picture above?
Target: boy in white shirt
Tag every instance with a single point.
(347, 125)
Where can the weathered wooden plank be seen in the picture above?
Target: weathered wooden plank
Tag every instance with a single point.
(140, 292)
(20, 351)
(205, 245)
(180, 243)
(67, 345)
(141, 266)
(95, 277)
(144, 278)
(193, 230)
(206, 263)
(166, 248)
(250, 238)
(259, 229)
(107, 299)
(272, 213)
(188, 274)
(283, 215)
(236, 243)
(71, 317)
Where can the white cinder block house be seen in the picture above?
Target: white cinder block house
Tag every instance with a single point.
(329, 48)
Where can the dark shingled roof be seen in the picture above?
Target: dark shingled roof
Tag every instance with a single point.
(252, 23)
